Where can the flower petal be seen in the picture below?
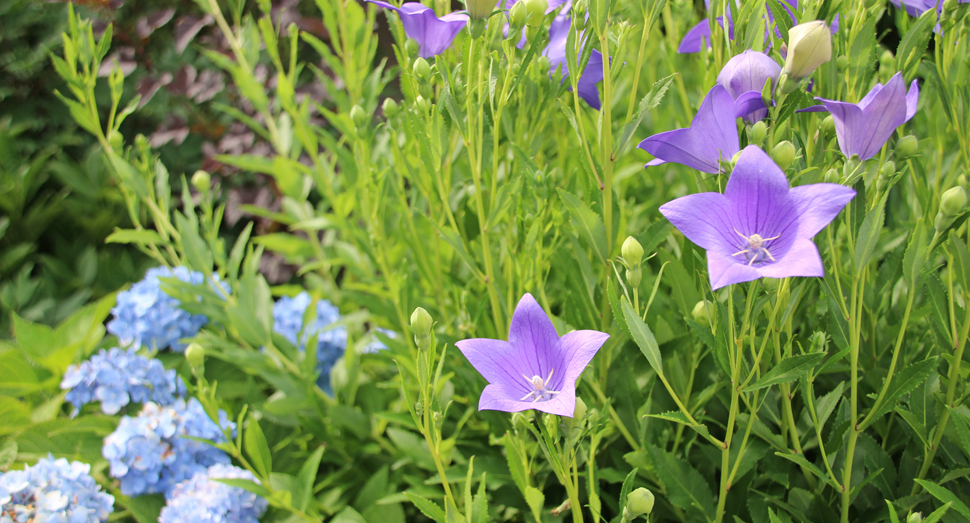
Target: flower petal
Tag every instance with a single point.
(694, 37)
(434, 35)
(576, 350)
(592, 75)
(702, 218)
(758, 189)
(533, 338)
(751, 106)
(495, 397)
(802, 259)
(817, 205)
(725, 269)
(912, 100)
(498, 362)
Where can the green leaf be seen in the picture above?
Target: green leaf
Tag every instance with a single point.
(146, 508)
(649, 101)
(256, 447)
(914, 43)
(8, 452)
(197, 253)
(944, 495)
(643, 337)
(679, 417)
(914, 257)
(788, 370)
(800, 460)
(962, 260)
(685, 487)
(907, 380)
(536, 501)
(869, 233)
(308, 472)
(427, 507)
(140, 236)
(937, 514)
(587, 223)
(616, 308)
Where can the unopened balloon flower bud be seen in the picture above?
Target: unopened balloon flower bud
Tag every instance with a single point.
(195, 355)
(757, 133)
(828, 126)
(421, 68)
(734, 159)
(953, 201)
(701, 313)
(480, 8)
(638, 503)
(832, 176)
(359, 117)
(888, 169)
(411, 46)
(518, 16)
(421, 324)
(809, 46)
(915, 517)
(390, 107)
(962, 180)
(201, 181)
(422, 104)
(842, 62)
(115, 140)
(783, 154)
(632, 251)
(887, 60)
(906, 146)
(536, 10)
(476, 27)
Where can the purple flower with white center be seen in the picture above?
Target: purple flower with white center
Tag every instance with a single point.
(744, 76)
(117, 378)
(711, 137)
(535, 369)
(555, 51)
(203, 499)
(434, 35)
(53, 490)
(863, 128)
(759, 227)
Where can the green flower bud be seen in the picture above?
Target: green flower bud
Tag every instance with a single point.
(887, 60)
(758, 132)
(421, 68)
(953, 201)
(518, 16)
(915, 517)
(537, 11)
(842, 62)
(115, 140)
(359, 117)
(140, 141)
(962, 180)
(888, 169)
(542, 63)
(638, 503)
(411, 46)
(195, 355)
(476, 27)
(632, 251)
(421, 324)
(832, 176)
(422, 104)
(809, 46)
(783, 154)
(701, 313)
(906, 146)
(942, 221)
(390, 107)
(201, 181)
(828, 127)
(480, 8)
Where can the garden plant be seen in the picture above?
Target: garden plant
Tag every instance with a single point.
(500, 260)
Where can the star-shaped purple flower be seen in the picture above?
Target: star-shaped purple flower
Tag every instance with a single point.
(535, 369)
(695, 37)
(744, 76)
(556, 53)
(759, 227)
(433, 34)
(863, 128)
(712, 136)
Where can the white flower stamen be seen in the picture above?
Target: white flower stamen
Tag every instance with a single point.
(756, 247)
(540, 390)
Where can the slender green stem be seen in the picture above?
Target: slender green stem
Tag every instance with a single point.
(855, 324)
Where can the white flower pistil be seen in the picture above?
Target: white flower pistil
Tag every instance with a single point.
(755, 250)
(540, 390)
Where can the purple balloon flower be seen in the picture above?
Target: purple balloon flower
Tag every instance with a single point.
(863, 128)
(759, 227)
(744, 77)
(918, 7)
(696, 36)
(712, 136)
(433, 34)
(556, 53)
(535, 369)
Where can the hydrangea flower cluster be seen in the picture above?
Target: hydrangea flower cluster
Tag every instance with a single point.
(331, 340)
(119, 377)
(200, 498)
(150, 453)
(376, 345)
(53, 490)
(145, 316)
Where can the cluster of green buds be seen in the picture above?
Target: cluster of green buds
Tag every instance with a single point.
(632, 255)
(952, 203)
(421, 324)
(638, 503)
(526, 13)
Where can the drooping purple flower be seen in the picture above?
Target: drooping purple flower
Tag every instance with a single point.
(863, 128)
(744, 77)
(433, 34)
(535, 369)
(759, 227)
(555, 51)
(711, 137)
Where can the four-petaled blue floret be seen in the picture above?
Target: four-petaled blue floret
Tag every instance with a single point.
(118, 377)
(331, 339)
(202, 499)
(150, 452)
(53, 490)
(146, 316)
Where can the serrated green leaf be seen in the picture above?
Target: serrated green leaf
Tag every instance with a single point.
(685, 486)
(788, 370)
(587, 223)
(869, 233)
(908, 379)
(642, 336)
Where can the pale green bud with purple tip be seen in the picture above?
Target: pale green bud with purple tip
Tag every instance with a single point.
(809, 46)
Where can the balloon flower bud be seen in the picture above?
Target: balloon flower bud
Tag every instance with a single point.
(832, 176)
(476, 27)
(421, 327)
(422, 104)
(701, 313)
(480, 8)
(632, 251)
(421, 68)
(828, 126)
(915, 517)
(201, 181)
(359, 117)
(638, 503)
(906, 146)
(887, 60)
(195, 355)
(783, 154)
(953, 201)
(809, 46)
(115, 140)
(758, 132)
(390, 107)
(412, 46)
(842, 62)
(536, 10)
(888, 169)
(518, 16)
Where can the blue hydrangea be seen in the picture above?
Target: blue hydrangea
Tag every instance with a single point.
(376, 344)
(203, 500)
(145, 316)
(53, 490)
(119, 377)
(149, 453)
(331, 339)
